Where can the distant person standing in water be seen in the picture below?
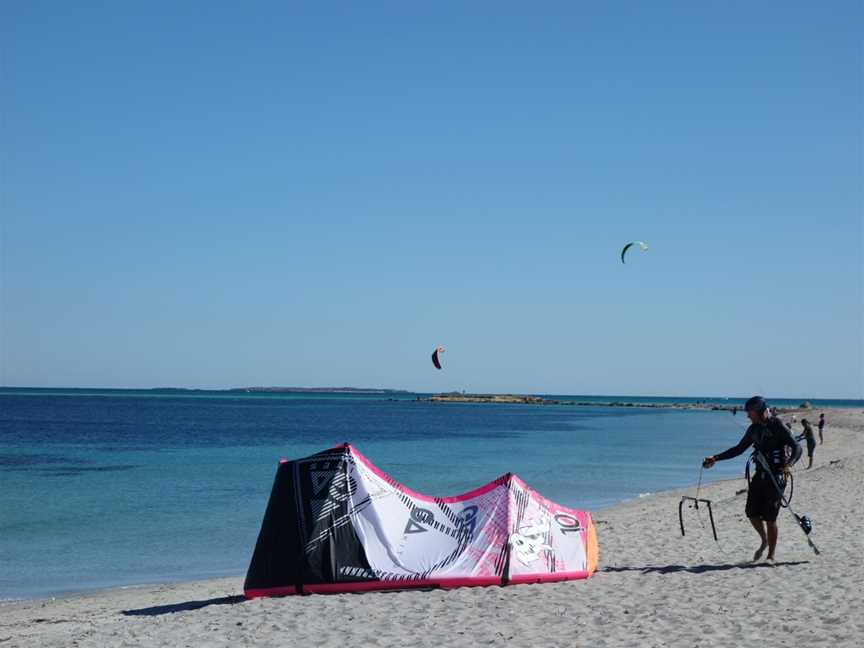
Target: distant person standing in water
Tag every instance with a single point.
(810, 438)
(821, 425)
(770, 438)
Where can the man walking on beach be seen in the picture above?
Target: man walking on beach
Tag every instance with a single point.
(809, 438)
(769, 438)
(821, 425)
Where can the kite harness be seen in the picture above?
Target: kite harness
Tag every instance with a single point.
(790, 479)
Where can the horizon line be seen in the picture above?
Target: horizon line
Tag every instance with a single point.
(333, 389)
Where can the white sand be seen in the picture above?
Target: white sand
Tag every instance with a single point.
(654, 588)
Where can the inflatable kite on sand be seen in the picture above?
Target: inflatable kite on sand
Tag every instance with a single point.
(336, 523)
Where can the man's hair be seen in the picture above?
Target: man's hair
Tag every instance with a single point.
(756, 404)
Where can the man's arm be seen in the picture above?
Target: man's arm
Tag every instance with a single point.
(734, 451)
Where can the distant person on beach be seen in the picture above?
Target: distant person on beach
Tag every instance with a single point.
(769, 437)
(810, 438)
(821, 425)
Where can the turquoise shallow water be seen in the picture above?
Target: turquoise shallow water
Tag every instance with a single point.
(124, 488)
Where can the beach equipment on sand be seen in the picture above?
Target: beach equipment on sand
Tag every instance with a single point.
(643, 246)
(435, 359)
(695, 505)
(336, 523)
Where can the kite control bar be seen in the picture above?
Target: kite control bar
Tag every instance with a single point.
(695, 505)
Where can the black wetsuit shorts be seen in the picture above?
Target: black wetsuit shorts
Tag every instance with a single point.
(763, 500)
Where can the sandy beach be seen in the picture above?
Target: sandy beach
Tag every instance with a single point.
(653, 587)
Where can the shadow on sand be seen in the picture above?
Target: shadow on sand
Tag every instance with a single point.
(701, 569)
(186, 606)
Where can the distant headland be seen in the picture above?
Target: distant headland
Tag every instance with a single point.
(317, 390)
(519, 399)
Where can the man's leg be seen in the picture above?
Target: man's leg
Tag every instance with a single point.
(760, 529)
(772, 538)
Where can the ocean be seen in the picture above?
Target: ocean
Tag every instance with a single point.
(103, 488)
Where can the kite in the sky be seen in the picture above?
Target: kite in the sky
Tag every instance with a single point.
(642, 245)
(435, 360)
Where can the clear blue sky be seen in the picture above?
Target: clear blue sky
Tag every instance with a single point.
(224, 194)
